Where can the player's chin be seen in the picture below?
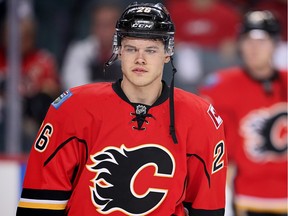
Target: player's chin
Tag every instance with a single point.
(141, 81)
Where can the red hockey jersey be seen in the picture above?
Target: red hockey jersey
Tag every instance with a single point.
(255, 115)
(97, 153)
(38, 72)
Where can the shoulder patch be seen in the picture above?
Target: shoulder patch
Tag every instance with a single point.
(61, 99)
(217, 120)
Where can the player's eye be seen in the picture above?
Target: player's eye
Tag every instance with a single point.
(130, 49)
(150, 51)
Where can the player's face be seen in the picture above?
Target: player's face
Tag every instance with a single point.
(142, 61)
(257, 53)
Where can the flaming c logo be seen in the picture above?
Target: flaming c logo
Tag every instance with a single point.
(265, 133)
(116, 172)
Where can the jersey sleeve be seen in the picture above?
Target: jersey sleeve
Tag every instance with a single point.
(55, 162)
(206, 166)
(214, 95)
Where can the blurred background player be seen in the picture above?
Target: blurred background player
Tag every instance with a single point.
(252, 99)
(279, 10)
(85, 59)
(206, 39)
(39, 82)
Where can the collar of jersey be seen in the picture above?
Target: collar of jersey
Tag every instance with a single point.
(274, 76)
(163, 97)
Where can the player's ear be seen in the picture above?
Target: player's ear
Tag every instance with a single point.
(167, 59)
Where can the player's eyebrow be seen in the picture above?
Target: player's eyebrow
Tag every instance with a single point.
(134, 47)
(130, 46)
(152, 47)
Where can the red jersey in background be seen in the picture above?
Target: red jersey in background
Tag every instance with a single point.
(208, 27)
(255, 115)
(38, 73)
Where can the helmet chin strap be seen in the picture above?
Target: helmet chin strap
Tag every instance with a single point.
(171, 104)
(111, 60)
(115, 52)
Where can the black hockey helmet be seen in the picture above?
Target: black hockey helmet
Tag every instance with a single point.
(261, 20)
(144, 20)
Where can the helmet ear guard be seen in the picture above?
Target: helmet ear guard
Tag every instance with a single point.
(116, 44)
(115, 51)
(169, 46)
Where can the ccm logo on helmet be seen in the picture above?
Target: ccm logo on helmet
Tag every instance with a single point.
(143, 25)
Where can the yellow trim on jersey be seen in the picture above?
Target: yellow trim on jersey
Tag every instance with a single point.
(256, 204)
(260, 210)
(53, 205)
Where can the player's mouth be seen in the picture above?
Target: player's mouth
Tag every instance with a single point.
(139, 70)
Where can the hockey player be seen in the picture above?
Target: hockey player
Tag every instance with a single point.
(252, 100)
(133, 147)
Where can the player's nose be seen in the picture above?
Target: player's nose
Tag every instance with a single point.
(140, 58)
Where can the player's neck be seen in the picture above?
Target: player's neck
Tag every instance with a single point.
(145, 95)
(261, 73)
